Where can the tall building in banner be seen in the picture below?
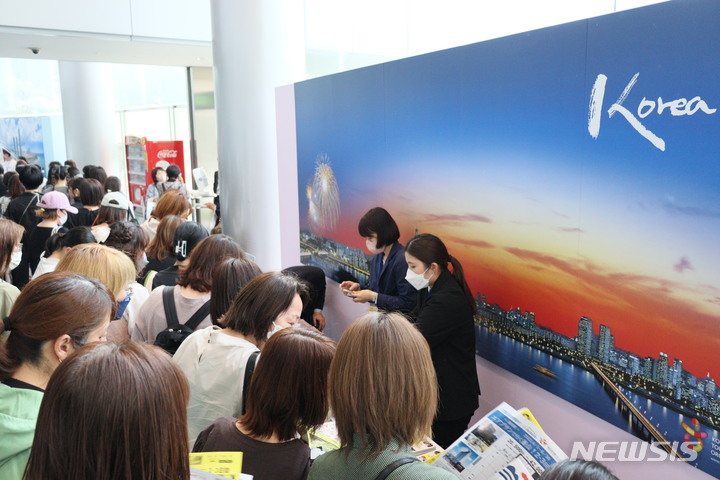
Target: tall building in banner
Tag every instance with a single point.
(634, 365)
(585, 336)
(710, 387)
(648, 368)
(605, 344)
(660, 374)
(529, 320)
(676, 373)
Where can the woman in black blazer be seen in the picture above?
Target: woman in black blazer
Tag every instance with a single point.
(387, 288)
(444, 315)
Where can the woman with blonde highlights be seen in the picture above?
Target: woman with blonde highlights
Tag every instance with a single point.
(383, 393)
(112, 267)
(113, 412)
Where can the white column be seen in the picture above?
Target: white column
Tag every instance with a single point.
(257, 45)
(89, 115)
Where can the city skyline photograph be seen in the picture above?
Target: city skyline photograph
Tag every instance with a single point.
(571, 170)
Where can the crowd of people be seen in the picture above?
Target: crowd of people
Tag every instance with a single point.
(126, 344)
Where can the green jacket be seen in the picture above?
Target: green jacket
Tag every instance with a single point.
(18, 415)
(334, 465)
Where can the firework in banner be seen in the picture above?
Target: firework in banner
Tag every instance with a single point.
(323, 197)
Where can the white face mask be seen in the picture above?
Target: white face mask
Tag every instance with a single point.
(144, 260)
(417, 280)
(15, 258)
(62, 220)
(371, 246)
(161, 177)
(275, 328)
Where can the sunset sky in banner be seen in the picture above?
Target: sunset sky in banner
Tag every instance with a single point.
(487, 146)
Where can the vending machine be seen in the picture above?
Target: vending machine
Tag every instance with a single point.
(142, 156)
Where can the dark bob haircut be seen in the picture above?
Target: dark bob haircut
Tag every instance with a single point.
(261, 301)
(229, 277)
(91, 192)
(288, 391)
(197, 274)
(119, 408)
(379, 222)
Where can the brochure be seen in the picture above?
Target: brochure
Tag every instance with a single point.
(502, 445)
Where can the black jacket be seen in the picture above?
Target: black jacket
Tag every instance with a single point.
(315, 278)
(445, 318)
(21, 210)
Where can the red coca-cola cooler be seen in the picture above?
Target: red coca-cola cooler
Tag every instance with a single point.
(170, 152)
(142, 156)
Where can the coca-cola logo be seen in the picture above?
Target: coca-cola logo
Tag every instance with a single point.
(167, 154)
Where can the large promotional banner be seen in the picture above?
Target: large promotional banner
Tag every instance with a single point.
(24, 136)
(575, 172)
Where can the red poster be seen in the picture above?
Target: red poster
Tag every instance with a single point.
(169, 151)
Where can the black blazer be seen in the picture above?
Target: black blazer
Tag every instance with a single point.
(445, 318)
(388, 280)
(315, 278)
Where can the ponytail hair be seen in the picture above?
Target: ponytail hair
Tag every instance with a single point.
(78, 304)
(430, 249)
(68, 238)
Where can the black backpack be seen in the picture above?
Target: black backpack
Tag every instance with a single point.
(171, 338)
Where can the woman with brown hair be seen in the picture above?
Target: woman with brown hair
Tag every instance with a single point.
(161, 249)
(11, 181)
(10, 256)
(192, 291)
(113, 208)
(215, 360)
(383, 392)
(142, 438)
(286, 397)
(229, 277)
(37, 343)
(172, 202)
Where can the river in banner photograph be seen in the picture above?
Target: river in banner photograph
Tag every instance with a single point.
(581, 388)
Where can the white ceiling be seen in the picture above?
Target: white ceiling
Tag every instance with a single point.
(72, 46)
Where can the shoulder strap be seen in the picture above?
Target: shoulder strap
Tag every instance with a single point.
(198, 316)
(171, 317)
(249, 368)
(394, 466)
(36, 197)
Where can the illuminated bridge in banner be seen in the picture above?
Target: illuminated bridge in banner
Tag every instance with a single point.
(635, 414)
